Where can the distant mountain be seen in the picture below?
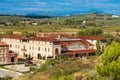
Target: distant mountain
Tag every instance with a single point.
(36, 15)
(50, 13)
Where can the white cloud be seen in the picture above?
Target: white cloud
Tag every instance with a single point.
(42, 3)
(32, 9)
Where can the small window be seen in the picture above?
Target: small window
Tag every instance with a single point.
(10, 45)
(15, 46)
(0, 51)
(45, 49)
(32, 48)
(0, 59)
(38, 48)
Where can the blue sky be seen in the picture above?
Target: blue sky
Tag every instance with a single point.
(61, 6)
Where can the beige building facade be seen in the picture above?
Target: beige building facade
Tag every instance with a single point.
(36, 46)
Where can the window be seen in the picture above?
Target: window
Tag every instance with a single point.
(56, 51)
(0, 51)
(38, 48)
(45, 49)
(5, 51)
(23, 47)
(0, 59)
(32, 48)
(10, 45)
(15, 46)
(4, 59)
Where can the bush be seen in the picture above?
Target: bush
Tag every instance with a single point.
(90, 32)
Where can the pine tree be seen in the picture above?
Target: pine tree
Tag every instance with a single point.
(98, 48)
(110, 62)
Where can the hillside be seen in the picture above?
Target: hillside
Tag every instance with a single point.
(65, 70)
(57, 24)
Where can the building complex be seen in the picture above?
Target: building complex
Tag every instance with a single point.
(13, 47)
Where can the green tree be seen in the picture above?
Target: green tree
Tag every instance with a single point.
(8, 32)
(98, 48)
(90, 32)
(80, 33)
(110, 62)
(25, 33)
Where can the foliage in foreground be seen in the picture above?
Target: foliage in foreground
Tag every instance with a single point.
(110, 62)
(61, 69)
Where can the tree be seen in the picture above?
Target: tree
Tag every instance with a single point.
(25, 33)
(8, 32)
(110, 62)
(98, 49)
(80, 33)
(90, 32)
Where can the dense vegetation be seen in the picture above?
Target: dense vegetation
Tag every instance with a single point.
(109, 67)
(63, 69)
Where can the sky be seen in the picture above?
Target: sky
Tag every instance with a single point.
(59, 7)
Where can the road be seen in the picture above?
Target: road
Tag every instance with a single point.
(4, 72)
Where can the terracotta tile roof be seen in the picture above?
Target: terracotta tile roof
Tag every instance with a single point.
(92, 37)
(79, 51)
(13, 36)
(67, 43)
(2, 44)
(87, 43)
(49, 39)
(33, 38)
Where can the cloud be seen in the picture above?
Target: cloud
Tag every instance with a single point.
(30, 9)
(42, 3)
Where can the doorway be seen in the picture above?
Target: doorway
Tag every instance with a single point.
(12, 59)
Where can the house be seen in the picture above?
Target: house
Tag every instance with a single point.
(6, 56)
(34, 46)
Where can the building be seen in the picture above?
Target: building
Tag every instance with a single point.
(35, 46)
(6, 56)
(93, 40)
(50, 46)
(4, 53)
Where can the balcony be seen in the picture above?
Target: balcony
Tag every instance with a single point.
(23, 49)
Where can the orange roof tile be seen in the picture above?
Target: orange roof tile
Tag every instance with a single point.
(2, 44)
(92, 37)
(67, 43)
(13, 36)
(49, 39)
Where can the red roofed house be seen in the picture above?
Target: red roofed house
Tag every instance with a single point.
(35, 46)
